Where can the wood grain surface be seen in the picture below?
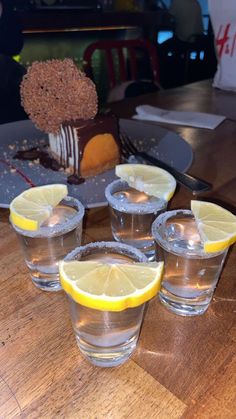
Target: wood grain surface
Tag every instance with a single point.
(182, 368)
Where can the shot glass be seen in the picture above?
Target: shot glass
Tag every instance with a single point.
(106, 338)
(190, 275)
(57, 236)
(132, 213)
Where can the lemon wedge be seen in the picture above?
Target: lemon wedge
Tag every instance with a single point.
(149, 179)
(110, 287)
(216, 225)
(33, 206)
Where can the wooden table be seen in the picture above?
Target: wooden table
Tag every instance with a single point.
(183, 367)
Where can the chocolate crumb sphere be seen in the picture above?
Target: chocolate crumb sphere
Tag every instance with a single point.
(56, 91)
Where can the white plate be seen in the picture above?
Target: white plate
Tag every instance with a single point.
(17, 175)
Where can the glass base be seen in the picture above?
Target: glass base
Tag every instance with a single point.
(107, 356)
(46, 282)
(183, 308)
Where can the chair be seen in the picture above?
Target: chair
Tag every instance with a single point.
(122, 60)
(186, 62)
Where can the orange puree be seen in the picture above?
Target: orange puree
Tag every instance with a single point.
(100, 153)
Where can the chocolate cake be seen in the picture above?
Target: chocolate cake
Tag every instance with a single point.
(62, 102)
(87, 147)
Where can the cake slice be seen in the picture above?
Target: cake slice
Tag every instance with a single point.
(87, 147)
(62, 101)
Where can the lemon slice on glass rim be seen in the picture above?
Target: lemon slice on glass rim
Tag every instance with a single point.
(33, 206)
(216, 225)
(110, 287)
(152, 180)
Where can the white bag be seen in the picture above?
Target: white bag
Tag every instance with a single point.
(223, 19)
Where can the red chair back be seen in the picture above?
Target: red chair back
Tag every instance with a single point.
(123, 48)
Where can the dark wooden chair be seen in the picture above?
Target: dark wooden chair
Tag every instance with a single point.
(186, 62)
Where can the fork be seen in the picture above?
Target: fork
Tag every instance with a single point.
(194, 184)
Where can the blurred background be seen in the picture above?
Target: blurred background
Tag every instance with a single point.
(64, 28)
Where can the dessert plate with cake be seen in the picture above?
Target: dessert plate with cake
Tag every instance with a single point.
(66, 140)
